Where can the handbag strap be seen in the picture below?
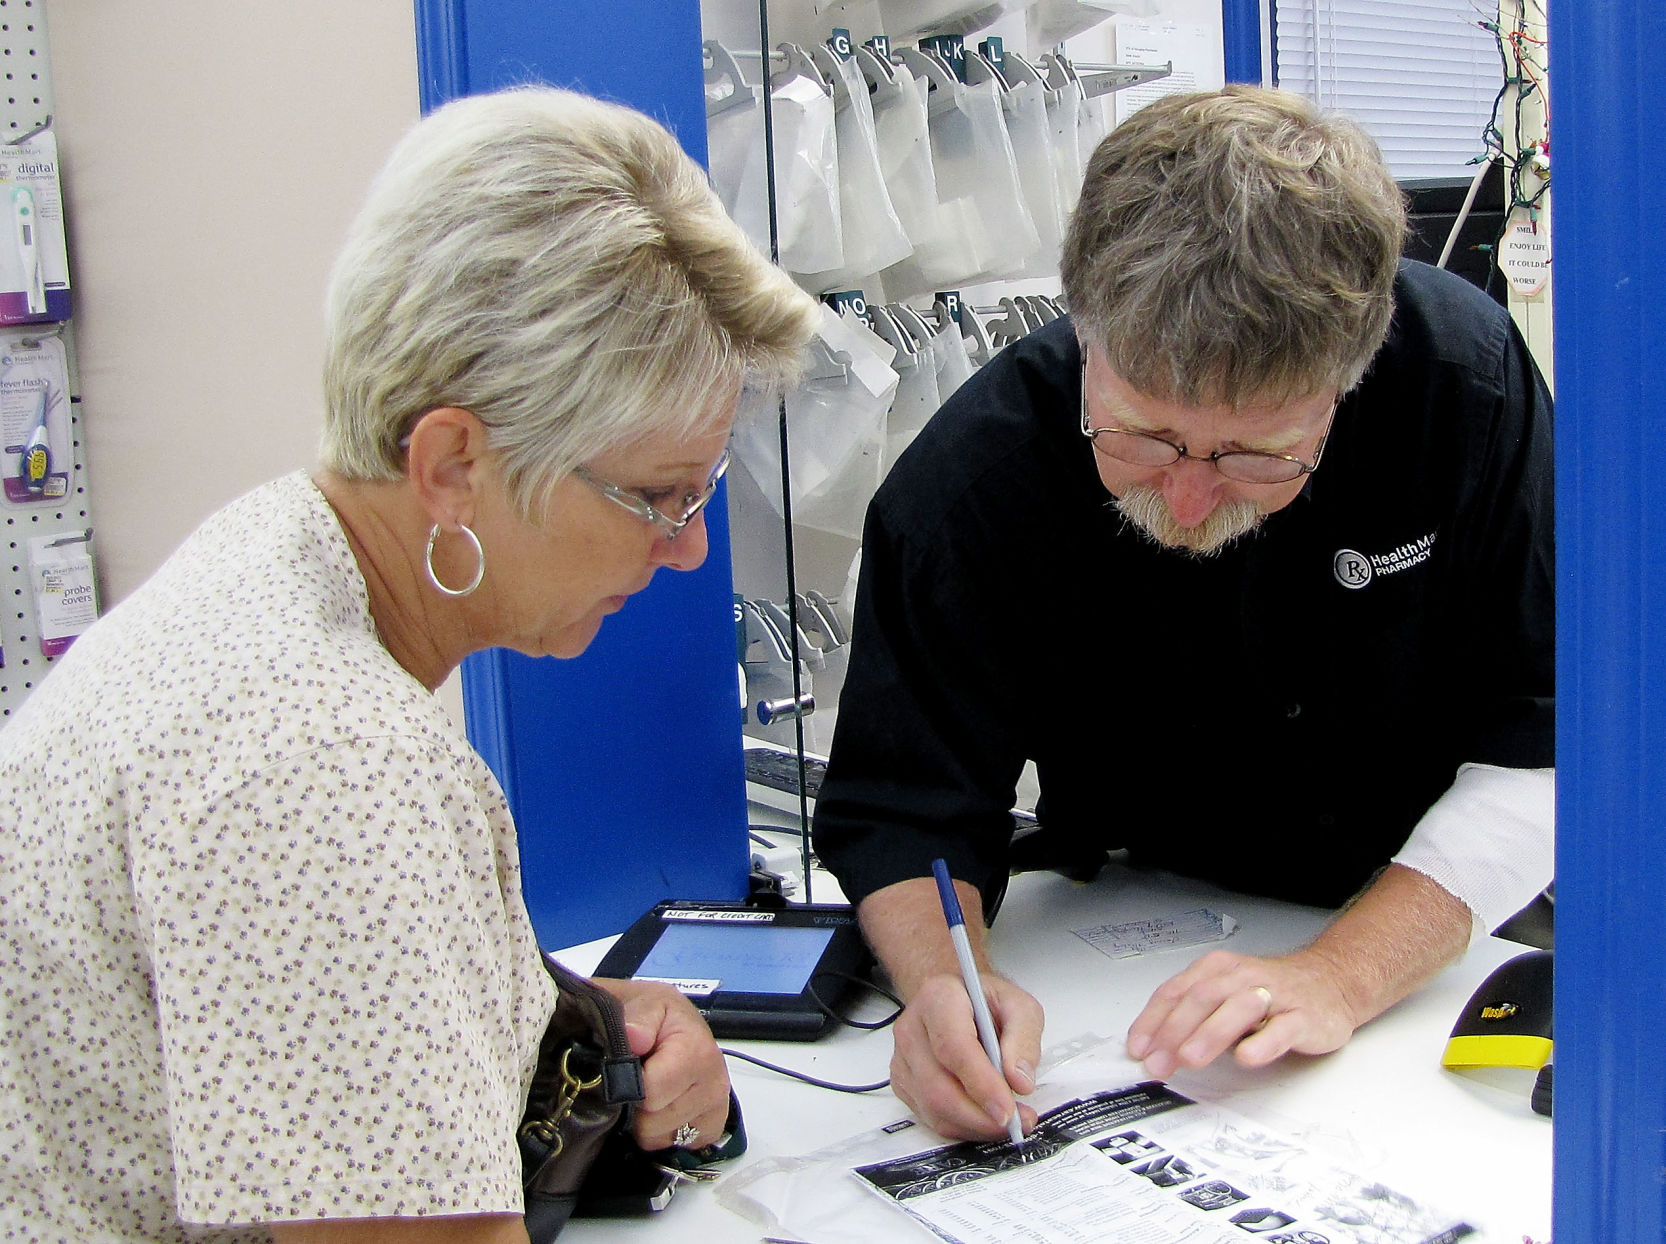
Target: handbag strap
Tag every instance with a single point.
(620, 1070)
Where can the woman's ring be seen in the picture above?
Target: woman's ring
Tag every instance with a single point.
(1266, 995)
(687, 1134)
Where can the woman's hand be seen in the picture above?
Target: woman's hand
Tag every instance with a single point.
(685, 1077)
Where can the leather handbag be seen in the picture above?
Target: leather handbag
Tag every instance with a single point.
(583, 1091)
(577, 1154)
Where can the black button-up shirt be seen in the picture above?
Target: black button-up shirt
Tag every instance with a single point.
(1275, 718)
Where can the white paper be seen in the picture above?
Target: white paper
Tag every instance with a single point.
(1124, 940)
(1195, 56)
(1146, 1164)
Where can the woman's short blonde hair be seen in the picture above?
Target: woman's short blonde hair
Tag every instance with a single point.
(558, 266)
(1235, 245)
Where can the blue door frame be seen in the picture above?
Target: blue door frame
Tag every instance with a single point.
(1606, 219)
(622, 767)
(1241, 40)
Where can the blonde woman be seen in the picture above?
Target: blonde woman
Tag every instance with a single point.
(268, 972)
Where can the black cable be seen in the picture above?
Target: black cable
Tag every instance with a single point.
(799, 1075)
(863, 1024)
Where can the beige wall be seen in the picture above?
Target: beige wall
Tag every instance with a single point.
(212, 156)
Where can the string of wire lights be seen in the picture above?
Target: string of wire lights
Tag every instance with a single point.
(1526, 160)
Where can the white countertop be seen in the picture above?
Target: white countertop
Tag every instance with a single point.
(1382, 1106)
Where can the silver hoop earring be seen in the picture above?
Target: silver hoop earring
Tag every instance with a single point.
(479, 558)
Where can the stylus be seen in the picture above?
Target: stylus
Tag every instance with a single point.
(974, 986)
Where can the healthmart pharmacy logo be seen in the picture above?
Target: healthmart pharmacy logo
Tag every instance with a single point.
(1354, 569)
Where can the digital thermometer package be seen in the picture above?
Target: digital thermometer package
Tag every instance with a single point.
(34, 263)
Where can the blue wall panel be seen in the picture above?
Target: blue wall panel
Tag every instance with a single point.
(1611, 625)
(1241, 40)
(623, 767)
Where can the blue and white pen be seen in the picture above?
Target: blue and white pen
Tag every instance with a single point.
(974, 986)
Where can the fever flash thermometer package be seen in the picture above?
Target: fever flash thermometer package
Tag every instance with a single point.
(35, 419)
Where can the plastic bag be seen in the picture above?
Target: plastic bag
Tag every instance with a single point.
(1090, 127)
(836, 431)
(916, 401)
(899, 107)
(954, 363)
(1064, 107)
(1025, 105)
(808, 231)
(735, 145)
(1009, 239)
(984, 226)
(872, 234)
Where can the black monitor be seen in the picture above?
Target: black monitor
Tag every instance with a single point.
(1434, 203)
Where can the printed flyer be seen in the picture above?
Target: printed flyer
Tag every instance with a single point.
(1149, 1166)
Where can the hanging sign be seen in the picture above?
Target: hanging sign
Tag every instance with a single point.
(1524, 257)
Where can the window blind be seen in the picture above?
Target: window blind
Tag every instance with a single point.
(1419, 75)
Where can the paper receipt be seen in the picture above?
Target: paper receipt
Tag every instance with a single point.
(1137, 937)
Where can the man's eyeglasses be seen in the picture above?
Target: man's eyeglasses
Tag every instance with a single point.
(1246, 466)
(670, 523)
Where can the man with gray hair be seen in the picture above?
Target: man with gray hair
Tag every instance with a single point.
(1115, 554)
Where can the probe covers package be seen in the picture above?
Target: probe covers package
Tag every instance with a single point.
(66, 596)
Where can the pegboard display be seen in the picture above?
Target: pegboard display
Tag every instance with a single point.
(23, 52)
(25, 105)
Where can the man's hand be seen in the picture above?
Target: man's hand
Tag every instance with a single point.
(941, 1071)
(685, 1077)
(1392, 939)
(1260, 1009)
